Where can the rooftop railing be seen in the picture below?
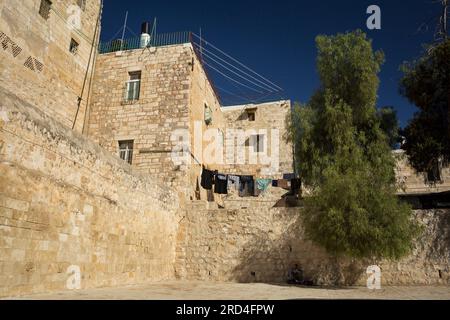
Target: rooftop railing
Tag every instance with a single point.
(158, 40)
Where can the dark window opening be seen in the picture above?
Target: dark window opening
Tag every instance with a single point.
(73, 46)
(434, 174)
(44, 9)
(126, 150)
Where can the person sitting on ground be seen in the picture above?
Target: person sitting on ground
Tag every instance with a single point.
(296, 277)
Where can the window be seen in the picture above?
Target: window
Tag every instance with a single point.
(133, 86)
(73, 46)
(126, 150)
(44, 9)
(257, 141)
(251, 115)
(82, 4)
(434, 174)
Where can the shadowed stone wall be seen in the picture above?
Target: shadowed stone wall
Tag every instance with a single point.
(260, 244)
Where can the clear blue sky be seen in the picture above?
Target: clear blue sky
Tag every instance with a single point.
(276, 38)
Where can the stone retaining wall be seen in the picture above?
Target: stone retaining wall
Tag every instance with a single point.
(65, 203)
(260, 245)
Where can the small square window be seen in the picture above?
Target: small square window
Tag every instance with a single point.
(251, 115)
(257, 141)
(126, 150)
(44, 9)
(73, 46)
(82, 4)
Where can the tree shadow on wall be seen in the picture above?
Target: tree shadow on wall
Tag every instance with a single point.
(267, 258)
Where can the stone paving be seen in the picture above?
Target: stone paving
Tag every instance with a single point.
(196, 290)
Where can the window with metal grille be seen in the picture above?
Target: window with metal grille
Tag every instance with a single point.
(126, 150)
(44, 9)
(73, 46)
(133, 86)
(82, 4)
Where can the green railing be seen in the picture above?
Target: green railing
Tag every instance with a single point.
(158, 40)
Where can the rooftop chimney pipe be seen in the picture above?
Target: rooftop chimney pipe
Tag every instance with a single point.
(145, 28)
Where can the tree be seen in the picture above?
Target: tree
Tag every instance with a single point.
(344, 156)
(389, 124)
(426, 83)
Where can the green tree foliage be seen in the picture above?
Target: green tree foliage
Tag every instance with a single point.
(426, 83)
(389, 124)
(344, 156)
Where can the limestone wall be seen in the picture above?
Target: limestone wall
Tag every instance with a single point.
(35, 61)
(65, 202)
(260, 244)
(412, 182)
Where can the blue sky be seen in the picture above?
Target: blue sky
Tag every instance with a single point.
(276, 38)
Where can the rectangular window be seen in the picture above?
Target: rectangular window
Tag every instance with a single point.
(133, 86)
(73, 46)
(434, 175)
(257, 141)
(126, 150)
(44, 9)
(82, 4)
(208, 115)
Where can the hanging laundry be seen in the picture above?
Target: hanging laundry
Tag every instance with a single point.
(247, 187)
(207, 179)
(284, 184)
(263, 184)
(220, 185)
(233, 182)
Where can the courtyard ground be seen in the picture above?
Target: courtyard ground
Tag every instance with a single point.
(196, 290)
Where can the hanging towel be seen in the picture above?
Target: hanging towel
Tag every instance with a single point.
(220, 186)
(263, 184)
(207, 179)
(284, 184)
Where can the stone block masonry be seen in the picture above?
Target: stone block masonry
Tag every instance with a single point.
(260, 244)
(66, 202)
(35, 58)
(148, 121)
